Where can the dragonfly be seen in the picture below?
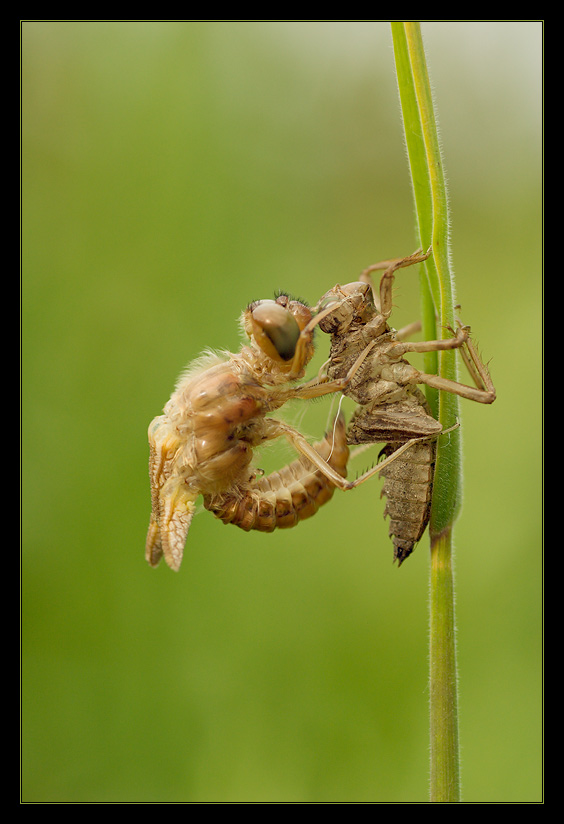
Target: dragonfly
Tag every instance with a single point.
(218, 415)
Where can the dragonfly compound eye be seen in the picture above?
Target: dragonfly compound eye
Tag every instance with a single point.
(275, 330)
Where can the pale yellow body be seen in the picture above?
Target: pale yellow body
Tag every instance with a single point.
(217, 416)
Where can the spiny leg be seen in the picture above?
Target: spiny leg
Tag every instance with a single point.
(477, 369)
(384, 300)
(482, 392)
(302, 445)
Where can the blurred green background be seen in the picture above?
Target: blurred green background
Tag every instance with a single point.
(172, 172)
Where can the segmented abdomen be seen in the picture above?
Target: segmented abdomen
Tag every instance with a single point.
(282, 499)
(408, 487)
(408, 479)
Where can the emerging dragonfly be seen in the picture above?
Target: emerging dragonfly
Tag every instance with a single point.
(203, 443)
(218, 414)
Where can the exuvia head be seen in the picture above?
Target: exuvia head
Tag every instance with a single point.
(344, 305)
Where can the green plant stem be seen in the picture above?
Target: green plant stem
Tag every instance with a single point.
(437, 299)
(445, 769)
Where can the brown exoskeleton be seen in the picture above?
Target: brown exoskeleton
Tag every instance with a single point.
(391, 407)
(218, 414)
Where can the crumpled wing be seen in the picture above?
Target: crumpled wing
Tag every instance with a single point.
(172, 502)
